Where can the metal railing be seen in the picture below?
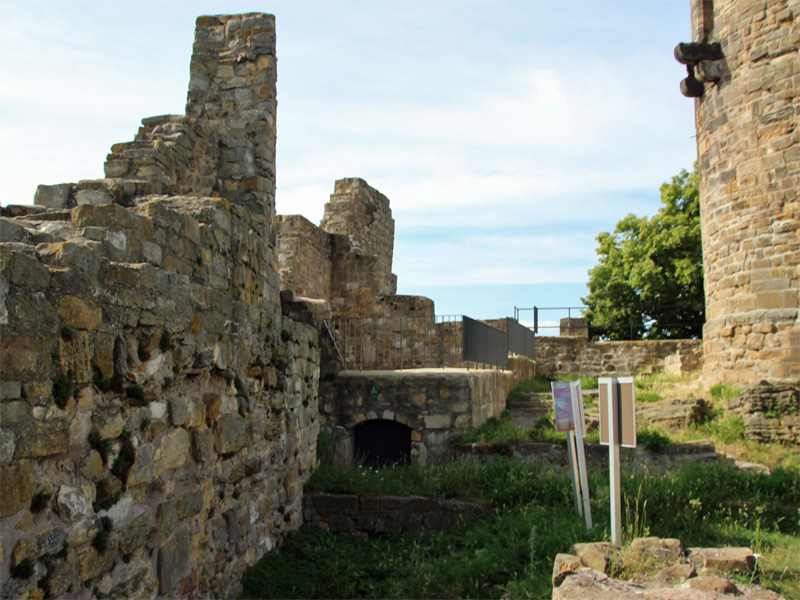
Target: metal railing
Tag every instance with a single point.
(637, 321)
(371, 343)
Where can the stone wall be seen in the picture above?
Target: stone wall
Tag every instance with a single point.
(771, 412)
(576, 356)
(158, 413)
(632, 460)
(375, 515)
(347, 260)
(362, 213)
(749, 163)
(304, 257)
(437, 404)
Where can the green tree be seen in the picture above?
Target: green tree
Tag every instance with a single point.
(648, 282)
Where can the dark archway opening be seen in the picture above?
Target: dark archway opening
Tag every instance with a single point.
(380, 442)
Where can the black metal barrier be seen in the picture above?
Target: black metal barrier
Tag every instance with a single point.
(483, 344)
(521, 340)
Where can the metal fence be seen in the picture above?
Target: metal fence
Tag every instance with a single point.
(521, 339)
(635, 321)
(484, 344)
(371, 343)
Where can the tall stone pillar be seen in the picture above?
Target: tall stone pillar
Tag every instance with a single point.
(747, 111)
(232, 91)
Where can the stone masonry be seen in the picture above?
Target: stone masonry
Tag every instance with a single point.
(748, 144)
(158, 410)
(347, 260)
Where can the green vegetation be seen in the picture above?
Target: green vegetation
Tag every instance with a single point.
(126, 456)
(165, 343)
(725, 391)
(100, 540)
(63, 389)
(103, 447)
(68, 333)
(512, 552)
(540, 384)
(136, 392)
(648, 282)
(652, 438)
(24, 569)
(39, 501)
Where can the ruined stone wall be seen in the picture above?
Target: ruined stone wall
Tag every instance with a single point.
(576, 356)
(362, 213)
(158, 413)
(304, 257)
(748, 145)
(347, 260)
(369, 516)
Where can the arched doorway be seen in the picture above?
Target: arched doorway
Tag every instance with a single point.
(380, 442)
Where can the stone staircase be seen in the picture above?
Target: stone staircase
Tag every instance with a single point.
(530, 408)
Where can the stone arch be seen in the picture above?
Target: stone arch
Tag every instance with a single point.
(380, 440)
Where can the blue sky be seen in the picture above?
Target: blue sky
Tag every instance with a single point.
(506, 134)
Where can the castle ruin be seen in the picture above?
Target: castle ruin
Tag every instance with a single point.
(160, 327)
(743, 73)
(159, 414)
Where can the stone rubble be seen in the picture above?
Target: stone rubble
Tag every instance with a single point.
(672, 573)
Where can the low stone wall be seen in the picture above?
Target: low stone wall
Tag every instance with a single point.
(371, 515)
(771, 412)
(576, 356)
(632, 460)
(436, 404)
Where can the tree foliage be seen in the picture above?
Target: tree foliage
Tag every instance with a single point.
(648, 282)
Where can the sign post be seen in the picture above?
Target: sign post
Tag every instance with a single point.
(569, 416)
(617, 428)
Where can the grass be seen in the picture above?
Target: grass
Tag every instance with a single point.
(512, 553)
(502, 431)
(541, 385)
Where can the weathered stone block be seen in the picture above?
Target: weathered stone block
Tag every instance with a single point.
(229, 434)
(7, 446)
(92, 563)
(173, 561)
(189, 504)
(80, 313)
(143, 468)
(202, 444)
(437, 421)
(61, 575)
(72, 504)
(21, 357)
(21, 480)
(52, 196)
(173, 452)
(134, 535)
(51, 541)
(166, 519)
(178, 411)
(43, 438)
(596, 555)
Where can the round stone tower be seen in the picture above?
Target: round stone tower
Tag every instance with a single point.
(744, 73)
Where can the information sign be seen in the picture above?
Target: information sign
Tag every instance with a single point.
(562, 399)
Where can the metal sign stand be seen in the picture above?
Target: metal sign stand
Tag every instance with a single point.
(578, 434)
(617, 427)
(575, 427)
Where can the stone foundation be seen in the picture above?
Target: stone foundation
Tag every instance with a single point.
(437, 404)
